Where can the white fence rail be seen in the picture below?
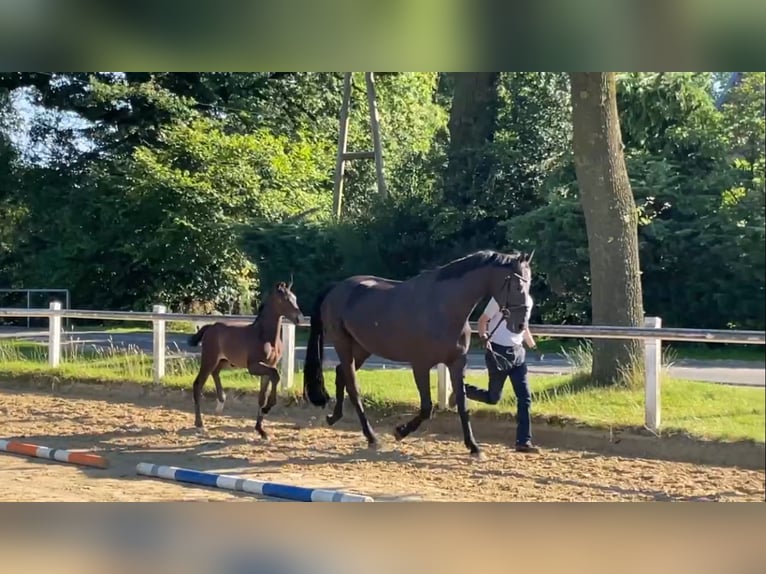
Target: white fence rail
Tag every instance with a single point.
(651, 333)
(29, 292)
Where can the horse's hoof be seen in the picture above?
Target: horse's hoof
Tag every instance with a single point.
(331, 419)
(262, 433)
(400, 432)
(219, 407)
(478, 455)
(373, 445)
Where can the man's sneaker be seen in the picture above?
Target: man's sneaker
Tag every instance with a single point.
(528, 447)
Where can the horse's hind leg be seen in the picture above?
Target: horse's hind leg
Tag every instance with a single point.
(360, 356)
(340, 394)
(220, 395)
(423, 382)
(347, 351)
(205, 370)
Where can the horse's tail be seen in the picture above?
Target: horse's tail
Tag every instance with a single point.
(313, 377)
(195, 339)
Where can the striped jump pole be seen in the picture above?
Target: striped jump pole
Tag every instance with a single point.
(58, 454)
(273, 489)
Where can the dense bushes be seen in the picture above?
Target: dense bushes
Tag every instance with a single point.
(212, 186)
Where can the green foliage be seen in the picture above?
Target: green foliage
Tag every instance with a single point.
(702, 244)
(157, 221)
(507, 172)
(412, 129)
(700, 200)
(391, 241)
(136, 187)
(556, 232)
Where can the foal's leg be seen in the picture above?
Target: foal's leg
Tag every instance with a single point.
(272, 395)
(265, 380)
(220, 395)
(423, 382)
(347, 350)
(205, 369)
(267, 375)
(457, 374)
(360, 356)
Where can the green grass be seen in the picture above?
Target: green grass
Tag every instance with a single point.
(548, 346)
(704, 410)
(678, 350)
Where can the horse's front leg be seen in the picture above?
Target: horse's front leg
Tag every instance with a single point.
(268, 375)
(457, 374)
(261, 409)
(272, 395)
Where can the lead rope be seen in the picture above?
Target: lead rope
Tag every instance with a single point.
(505, 313)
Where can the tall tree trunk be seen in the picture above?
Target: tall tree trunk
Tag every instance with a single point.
(471, 127)
(611, 220)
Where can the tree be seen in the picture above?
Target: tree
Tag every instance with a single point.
(611, 220)
(463, 219)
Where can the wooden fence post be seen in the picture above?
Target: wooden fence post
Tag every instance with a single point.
(158, 345)
(653, 372)
(287, 364)
(375, 125)
(54, 335)
(444, 385)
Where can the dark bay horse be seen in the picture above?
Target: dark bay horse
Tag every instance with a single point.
(256, 347)
(422, 321)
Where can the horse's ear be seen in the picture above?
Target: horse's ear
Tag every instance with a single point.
(279, 286)
(530, 256)
(290, 285)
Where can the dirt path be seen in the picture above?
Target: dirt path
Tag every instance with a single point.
(303, 452)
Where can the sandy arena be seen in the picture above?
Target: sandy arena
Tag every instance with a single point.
(131, 426)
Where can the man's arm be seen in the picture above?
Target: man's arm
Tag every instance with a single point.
(489, 311)
(482, 328)
(529, 339)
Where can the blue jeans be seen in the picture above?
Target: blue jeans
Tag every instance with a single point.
(507, 362)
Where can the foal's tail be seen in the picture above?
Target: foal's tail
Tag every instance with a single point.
(313, 376)
(195, 339)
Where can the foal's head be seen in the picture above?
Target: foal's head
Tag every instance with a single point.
(283, 302)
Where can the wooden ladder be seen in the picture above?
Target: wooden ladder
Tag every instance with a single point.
(344, 155)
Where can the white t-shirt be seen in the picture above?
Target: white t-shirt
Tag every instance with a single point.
(503, 336)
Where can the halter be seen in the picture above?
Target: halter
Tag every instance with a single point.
(505, 310)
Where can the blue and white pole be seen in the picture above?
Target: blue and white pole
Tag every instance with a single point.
(228, 482)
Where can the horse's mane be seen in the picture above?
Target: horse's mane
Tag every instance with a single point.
(258, 312)
(459, 267)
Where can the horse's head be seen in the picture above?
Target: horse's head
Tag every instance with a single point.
(285, 302)
(511, 291)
